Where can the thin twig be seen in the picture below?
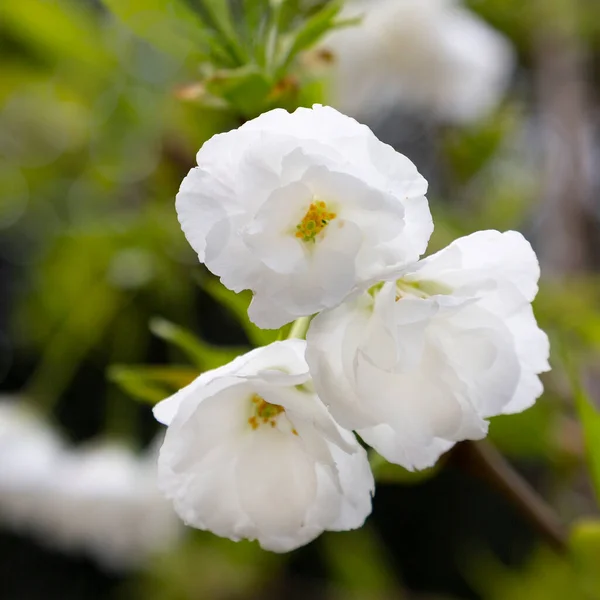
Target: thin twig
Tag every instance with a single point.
(482, 460)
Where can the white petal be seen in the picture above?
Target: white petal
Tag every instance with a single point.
(398, 451)
(482, 261)
(276, 481)
(281, 482)
(240, 209)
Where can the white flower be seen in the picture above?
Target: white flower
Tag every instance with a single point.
(421, 362)
(302, 208)
(251, 452)
(29, 452)
(429, 55)
(105, 502)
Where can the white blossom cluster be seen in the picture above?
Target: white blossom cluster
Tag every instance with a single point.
(320, 219)
(432, 56)
(101, 500)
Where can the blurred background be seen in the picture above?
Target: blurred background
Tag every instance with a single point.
(104, 309)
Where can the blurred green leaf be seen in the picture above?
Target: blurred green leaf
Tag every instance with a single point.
(546, 576)
(569, 308)
(584, 543)
(590, 419)
(246, 89)
(386, 472)
(469, 149)
(204, 356)
(57, 29)
(217, 19)
(151, 383)
(359, 565)
(238, 304)
(527, 434)
(256, 23)
(309, 33)
(167, 24)
(206, 567)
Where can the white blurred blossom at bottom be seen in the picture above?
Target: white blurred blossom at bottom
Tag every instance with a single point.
(101, 500)
(251, 452)
(105, 502)
(30, 451)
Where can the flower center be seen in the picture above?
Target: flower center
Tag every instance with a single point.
(264, 413)
(317, 217)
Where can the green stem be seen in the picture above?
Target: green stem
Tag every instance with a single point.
(299, 328)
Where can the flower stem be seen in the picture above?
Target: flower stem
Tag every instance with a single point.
(482, 460)
(299, 328)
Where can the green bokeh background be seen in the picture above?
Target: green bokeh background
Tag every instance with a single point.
(104, 308)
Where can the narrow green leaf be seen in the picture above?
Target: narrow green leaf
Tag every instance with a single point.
(258, 18)
(217, 18)
(590, 419)
(151, 383)
(310, 32)
(584, 543)
(238, 304)
(204, 356)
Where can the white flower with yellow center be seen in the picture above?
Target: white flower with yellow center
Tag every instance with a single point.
(302, 209)
(251, 452)
(422, 361)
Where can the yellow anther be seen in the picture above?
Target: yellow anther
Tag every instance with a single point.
(317, 217)
(264, 412)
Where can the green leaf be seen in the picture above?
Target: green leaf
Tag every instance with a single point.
(590, 419)
(151, 383)
(254, 20)
(527, 434)
(246, 89)
(359, 565)
(238, 304)
(311, 31)
(217, 20)
(167, 24)
(584, 543)
(60, 30)
(204, 356)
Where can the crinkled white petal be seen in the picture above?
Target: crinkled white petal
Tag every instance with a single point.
(240, 209)
(483, 262)
(419, 363)
(282, 481)
(397, 450)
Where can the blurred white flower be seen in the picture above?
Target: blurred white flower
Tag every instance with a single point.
(301, 209)
(29, 453)
(101, 500)
(428, 55)
(105, 502)
(251, 452)
(420, 362)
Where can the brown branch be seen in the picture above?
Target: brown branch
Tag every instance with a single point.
(482, 460)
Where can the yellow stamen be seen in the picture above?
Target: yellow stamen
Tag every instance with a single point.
(264, 412)
(317, 217)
